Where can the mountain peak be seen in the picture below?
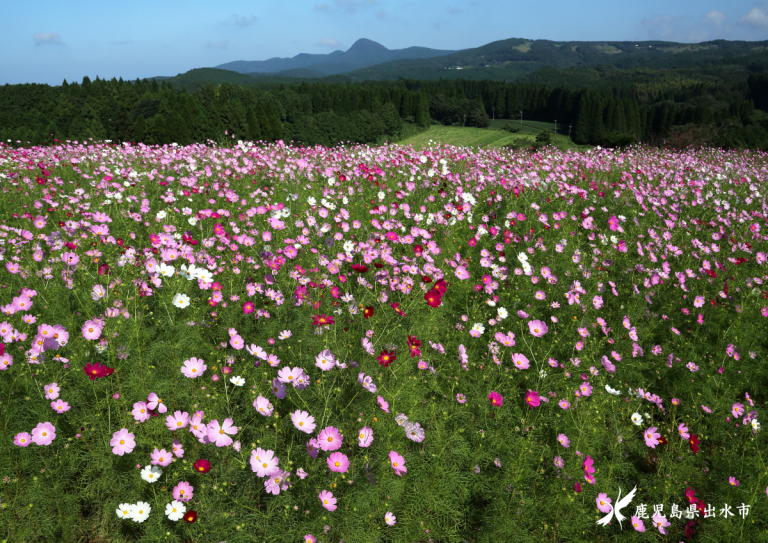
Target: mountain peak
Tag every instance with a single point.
(364, 44)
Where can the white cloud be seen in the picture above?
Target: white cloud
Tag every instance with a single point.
(757, 16)
(328, 42)
(711, 26)
(243, 21)
(217, 45)
(715, 17)
(47, 38)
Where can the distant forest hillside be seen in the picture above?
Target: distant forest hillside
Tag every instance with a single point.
(594, 104)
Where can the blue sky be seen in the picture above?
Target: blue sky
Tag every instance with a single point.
(47, 41)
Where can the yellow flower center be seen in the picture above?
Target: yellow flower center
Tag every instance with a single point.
(122, 442)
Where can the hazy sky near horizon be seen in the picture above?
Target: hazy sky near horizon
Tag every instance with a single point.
(46, 41)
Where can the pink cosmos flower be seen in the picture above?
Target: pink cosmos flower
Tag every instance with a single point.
(278, 388)
(564, 404)
(217, 434)
(327, 500)
(91, 330)
(155, 403)
(22, 439)
(520, 361)
(538, 328)
(313, 447)
(303, 421)
(637, 523)
(462, 273)
(699, 301)
(183, 491)
(559, 462)
(177, 421)
(589, 469)
(532, 399)
(603, 503)
(140, 411)
(194, 367)
(564, 441)
(338, 462)
(652, 437)
(383, 403)
(330, 439)
(122, 442)
(263, 406)
(264, 463)
(733, 481)
(585, 389)
(390, 518)
(277, 482)
(52, 391)
(365, 436)
(737, 410)
(178, 450)
(325, 360)
(60, 406)
(160, 457)
(683, 431)
(496, 399)
(661, 522)
(398, 463)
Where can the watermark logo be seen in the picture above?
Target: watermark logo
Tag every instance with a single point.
(620, 504)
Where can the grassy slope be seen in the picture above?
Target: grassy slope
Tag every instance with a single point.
(472, 137)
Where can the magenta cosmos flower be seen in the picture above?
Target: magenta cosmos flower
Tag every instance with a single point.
(22, 439)
(303, 421)
(327, 500)
(538, 328)
(264, 463)
(520, 361)
(194, 367)
(496, 398)
(183, 491)
(338, 462)
(398, 463)
(97, 371)
(177, 421)
(365, 436)
(122, 442)
(652, 437)
(217, 433)
(330, 439)
(44, 433)
(532, 399)
(588, 467)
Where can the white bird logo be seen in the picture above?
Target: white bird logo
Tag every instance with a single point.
(620, 504)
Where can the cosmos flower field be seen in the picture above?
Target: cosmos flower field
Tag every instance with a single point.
(276, 343)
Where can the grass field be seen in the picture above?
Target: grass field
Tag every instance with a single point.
(473, 137)
(528, 127)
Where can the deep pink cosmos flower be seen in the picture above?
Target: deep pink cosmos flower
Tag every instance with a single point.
(248, 308)
(122, 442)
(338, 462)
(532, 399)
(202, 466)
(183, 491)
(538, 328)
(386, 358)
(320, 320)
(95, 371)
(398, 463)
(330, 439)
(589, 469)
(496, 399)
(413, 346)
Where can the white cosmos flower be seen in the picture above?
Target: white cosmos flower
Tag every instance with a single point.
(237, 381)
(479, 327)
(612, 390)
(181, 300)
(349, 246)
(192, 221)
(151, 474)
(755, 424)
(637, 419)
(140, 512)
(502, 313)
(161, 214)
(165, 270)
(175, 510)
(312, 200)
(124, 510)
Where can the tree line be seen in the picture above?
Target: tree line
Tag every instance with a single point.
(374, 111)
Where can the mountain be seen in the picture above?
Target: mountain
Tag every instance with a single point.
(363, 53)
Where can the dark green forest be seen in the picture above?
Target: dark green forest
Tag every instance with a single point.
(608, 107)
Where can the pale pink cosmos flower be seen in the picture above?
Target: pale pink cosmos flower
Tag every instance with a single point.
(698, 301)
(637, 523)
(383, 403)
(537, 328)
(43, 434)
(682, 429)
(520, 361)
(219, 434)
(178, 450)
(330, 439)
(603, 503)
(177, 421)
(154, 402)
(737, 410)
(661, 522)
(564, 404)
(733, 481)
(194, 367)
(325, 360)
(140, 411)
(327, 500)
(586, 389)
(60, 406)
(398, 463)
(52, 391)
(652, 437)
(22, 439)
(338, 462)
(563, 440)
(276, 482)
(365, 436)
(462, 273)
(122, 442)
(303, 421)
(160, 457)
(263, 406)
(264, 463)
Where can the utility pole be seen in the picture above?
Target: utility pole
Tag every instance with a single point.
(521, 118)
(569, 130)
